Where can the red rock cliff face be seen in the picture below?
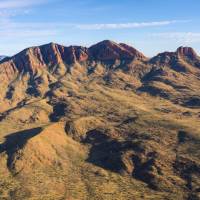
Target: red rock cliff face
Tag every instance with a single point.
(186, 52)
(32, 59)
(36, 58)
(28, 60)
(164, 58)
(181, 53)
(73, 54)
(108, 50)
(134, 52)
(7, 71)
(184, 59)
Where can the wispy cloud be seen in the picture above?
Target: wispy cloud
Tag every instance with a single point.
(11, 4)
(30, 30)
(128, 25)
(10, 9)
(34, 29)
(183, 37)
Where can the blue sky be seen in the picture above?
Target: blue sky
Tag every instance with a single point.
(151, 26)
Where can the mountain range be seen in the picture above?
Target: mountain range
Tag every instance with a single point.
(104, 122)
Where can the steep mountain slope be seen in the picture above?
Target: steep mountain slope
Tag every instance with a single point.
(103, 122)
(175, 76)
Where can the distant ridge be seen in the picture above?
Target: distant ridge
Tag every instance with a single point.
(2, 57)
(34, 58)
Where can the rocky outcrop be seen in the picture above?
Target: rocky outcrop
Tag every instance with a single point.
(35, 58)
(47, 56)
(184, 59)
(187, 52)
(108, 50)
(134, 52)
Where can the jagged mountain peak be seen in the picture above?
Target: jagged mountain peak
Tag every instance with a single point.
(186, 52)
(133, 51)
(182, 53)
(109, 50)
(35, 58)
(50, 55)
(106, 42)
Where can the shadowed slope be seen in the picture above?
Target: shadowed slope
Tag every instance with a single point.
(16, 142)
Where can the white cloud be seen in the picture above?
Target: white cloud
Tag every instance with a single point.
(127, 25)
(183, 37)
(13, 4)
(29, 30)
(9, 28)
(12, 8)
(27, 33)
